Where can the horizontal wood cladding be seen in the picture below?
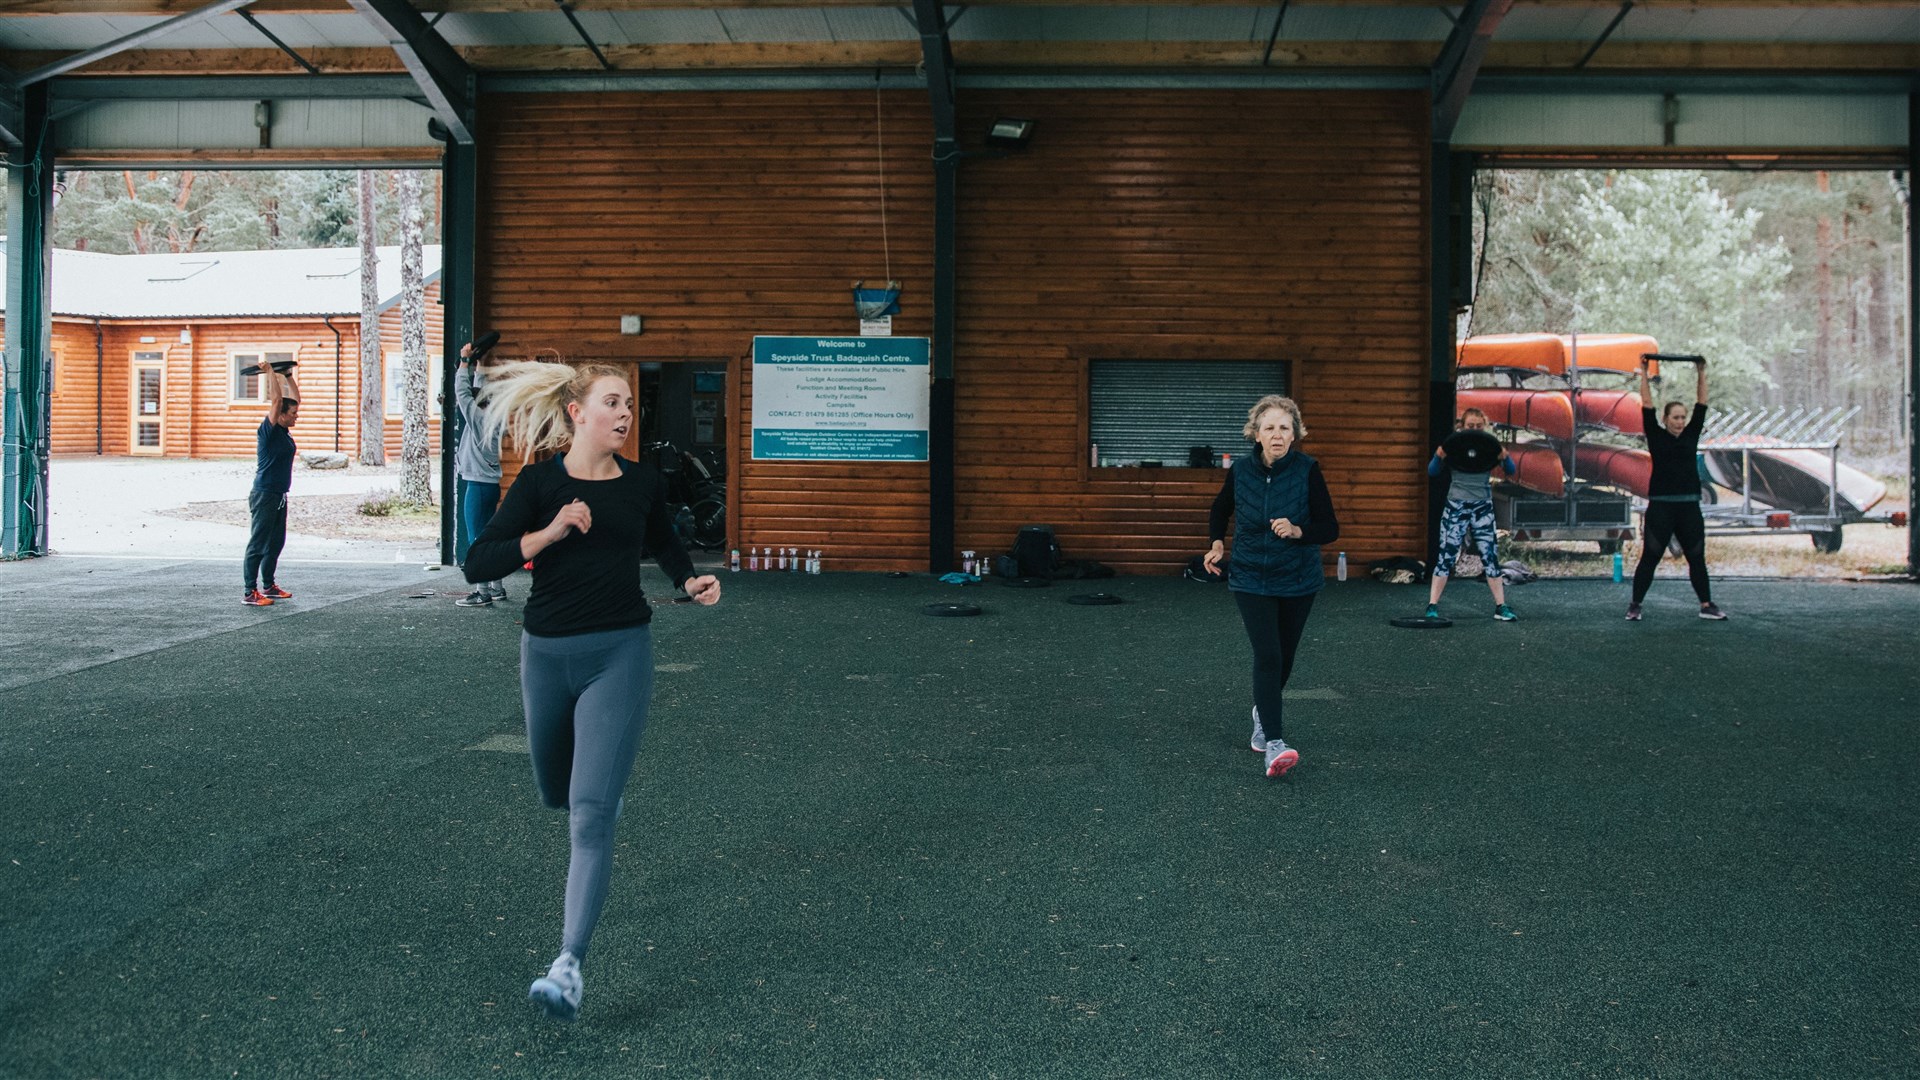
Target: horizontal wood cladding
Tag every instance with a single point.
(198, 414)
(1144, 224)
(716, 217)
(1191, 225)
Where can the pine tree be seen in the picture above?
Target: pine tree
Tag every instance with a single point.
(415, 445)
(373, 420)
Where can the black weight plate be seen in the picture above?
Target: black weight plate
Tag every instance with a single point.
(1026, 582)
(1472, 451)
(1096, 599)
(1420, 622)
(949, 611)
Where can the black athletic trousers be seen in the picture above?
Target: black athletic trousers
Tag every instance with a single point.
(267, 536)
(1665, 522)
(1274, 625)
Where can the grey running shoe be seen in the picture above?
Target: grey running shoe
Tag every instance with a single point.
(476, 598)
(1280, 758)
(1503, 613)
(558, 992)
(1710, 610)
(1259, 733)
(495, 591)
(1633, 612)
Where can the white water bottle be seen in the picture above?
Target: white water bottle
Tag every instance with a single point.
(1340, 571)
(754, 562)
(733, 560)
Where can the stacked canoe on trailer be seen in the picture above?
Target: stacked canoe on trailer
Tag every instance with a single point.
(1560, 410)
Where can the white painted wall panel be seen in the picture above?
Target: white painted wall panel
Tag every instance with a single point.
(227, 125)
(1835, 121)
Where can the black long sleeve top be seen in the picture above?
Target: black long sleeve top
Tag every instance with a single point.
(1675, 476)
(587, 581)
(1324, 528)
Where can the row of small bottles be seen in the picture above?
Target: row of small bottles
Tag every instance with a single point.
(791, 560)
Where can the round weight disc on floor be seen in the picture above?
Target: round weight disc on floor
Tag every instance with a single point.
(1026, 582)
(950, 611)
(1094, 599)
(1471, 451)
(1421, 622)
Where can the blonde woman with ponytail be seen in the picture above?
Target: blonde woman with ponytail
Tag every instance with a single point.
(582, 518)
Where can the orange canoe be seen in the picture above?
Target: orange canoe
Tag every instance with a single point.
(1538, 469)
(1556, 354)
(1618, 410)
(1616, 466)
(1545, 411)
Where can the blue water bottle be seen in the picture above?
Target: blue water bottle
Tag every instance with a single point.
(1619, 568)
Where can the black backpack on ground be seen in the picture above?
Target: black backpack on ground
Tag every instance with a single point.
(1035, 552)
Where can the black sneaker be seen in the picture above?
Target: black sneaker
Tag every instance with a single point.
(1633, 612)
(494, 592)
(1709, 610)
(476, 598)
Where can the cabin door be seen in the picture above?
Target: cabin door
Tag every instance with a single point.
(148, 402)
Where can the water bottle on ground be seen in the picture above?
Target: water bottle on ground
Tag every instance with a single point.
(1341, 571)
(1619, 568)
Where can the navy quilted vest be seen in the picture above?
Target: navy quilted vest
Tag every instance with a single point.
(1262, 563)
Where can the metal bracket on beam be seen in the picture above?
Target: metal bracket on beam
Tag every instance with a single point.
(281, 45)
(131, 41)
(1459, 61)
(440, 71)
(566, 8)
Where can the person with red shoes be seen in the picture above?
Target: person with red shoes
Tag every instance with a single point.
(272, 480)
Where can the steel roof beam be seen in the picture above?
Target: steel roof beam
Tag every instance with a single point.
(443, 76)
(130, 41)
(230, 87)
(1459, 62)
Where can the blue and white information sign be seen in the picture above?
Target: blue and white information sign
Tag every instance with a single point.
(840, 398)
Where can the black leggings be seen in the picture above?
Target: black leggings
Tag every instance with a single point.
(1274, 626)
(267, 536)
(1666, 521)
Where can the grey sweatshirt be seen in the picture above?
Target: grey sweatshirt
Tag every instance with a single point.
(478, 457)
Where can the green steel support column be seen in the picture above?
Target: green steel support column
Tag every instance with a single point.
(1913, 339)
(459, 227)
(27, 406)
(941, 423)
(1450, 251)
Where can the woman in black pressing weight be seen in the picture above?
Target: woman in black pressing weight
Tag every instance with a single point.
(1282, 513)
(1673, 493)
(586, 655)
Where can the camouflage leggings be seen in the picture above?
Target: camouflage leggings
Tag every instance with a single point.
(1456, 522)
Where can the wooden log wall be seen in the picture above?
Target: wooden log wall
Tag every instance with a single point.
(716, 217)
(1137, 225)
(1190, 225)
(198, 417)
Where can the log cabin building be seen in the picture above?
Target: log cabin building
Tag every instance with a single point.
(1206, 202)
(147, 350)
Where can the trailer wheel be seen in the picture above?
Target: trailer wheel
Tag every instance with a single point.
(1826, 542)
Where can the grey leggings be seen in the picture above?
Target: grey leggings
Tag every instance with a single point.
(586, 697)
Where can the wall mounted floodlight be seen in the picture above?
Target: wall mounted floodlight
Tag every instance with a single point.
(1009, 132)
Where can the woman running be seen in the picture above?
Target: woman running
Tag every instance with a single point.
(586, 656)
(1282, 513)
(1673, 493)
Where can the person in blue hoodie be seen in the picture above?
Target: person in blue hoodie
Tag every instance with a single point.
(1282, 513)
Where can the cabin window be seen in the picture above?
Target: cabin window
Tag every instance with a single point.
(1174, 413)
(395, 384)
(246, 388)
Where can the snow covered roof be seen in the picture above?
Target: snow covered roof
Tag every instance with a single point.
(224, 284)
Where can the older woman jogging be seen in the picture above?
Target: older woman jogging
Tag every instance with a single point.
(1282, 513)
